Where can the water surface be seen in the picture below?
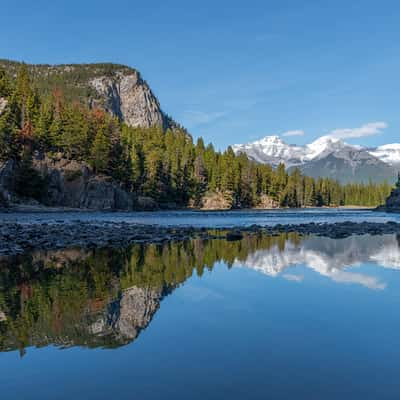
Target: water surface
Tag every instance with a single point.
(265, 317)
(210, 218)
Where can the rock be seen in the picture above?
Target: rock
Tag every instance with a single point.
(17, 238)
(73, 184)
(145, 203)
(216, 201)
(267, 202)
(128, 97)
(234, 235)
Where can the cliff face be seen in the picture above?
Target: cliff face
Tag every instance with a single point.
(118, 89)
(129, 98)
(71, 184)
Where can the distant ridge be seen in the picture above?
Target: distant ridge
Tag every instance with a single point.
(328, 157)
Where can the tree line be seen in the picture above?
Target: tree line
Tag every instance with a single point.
(163, 164)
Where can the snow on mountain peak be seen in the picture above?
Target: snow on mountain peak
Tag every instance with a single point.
(271, 139)
(388, 153)
(271, 149)
(324, 145)
(274, 150)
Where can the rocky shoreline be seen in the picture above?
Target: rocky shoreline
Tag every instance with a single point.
(16, 238)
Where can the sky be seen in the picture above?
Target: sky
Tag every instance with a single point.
(234, 71)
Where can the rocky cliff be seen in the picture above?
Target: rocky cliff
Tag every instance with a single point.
(128, 97)
(71, 184)
(118, 89)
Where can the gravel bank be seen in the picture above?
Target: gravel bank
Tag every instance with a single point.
(18, 238)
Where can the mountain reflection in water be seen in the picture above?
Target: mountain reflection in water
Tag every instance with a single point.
(104, 298)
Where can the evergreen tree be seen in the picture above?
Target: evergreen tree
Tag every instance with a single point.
(163, 164)
(100, 151)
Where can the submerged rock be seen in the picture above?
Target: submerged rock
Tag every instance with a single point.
(234, 235)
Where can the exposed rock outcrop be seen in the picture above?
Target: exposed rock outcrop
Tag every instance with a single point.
(267, 202)
(73, 184)
(129, 98)
(69, 183)
(216, 201)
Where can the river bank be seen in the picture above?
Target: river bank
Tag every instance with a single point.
(17, 238)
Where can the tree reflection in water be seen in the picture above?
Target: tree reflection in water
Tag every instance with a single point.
(105, 297)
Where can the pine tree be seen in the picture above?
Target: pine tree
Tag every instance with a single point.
(100, 151)
(5, 85)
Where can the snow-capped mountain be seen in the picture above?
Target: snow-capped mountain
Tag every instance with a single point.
(327, 156)
(388, 153)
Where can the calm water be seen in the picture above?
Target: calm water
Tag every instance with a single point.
(283, 317)
(210, 219)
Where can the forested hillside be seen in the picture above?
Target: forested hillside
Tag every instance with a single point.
(157, 162)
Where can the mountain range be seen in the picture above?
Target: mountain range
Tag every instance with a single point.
(328, 157)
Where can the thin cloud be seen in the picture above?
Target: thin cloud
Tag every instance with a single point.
(369, 129)
(194, 118)
(296, 132)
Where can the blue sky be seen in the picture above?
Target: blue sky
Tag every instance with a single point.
(233, 71)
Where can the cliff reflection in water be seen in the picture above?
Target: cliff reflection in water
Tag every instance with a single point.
(104, 298)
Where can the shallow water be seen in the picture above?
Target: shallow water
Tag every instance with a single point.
(265, 317)
(210, 218)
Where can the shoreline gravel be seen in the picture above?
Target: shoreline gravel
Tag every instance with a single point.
(16, 238)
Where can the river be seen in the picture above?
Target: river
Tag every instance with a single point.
(278, 317)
